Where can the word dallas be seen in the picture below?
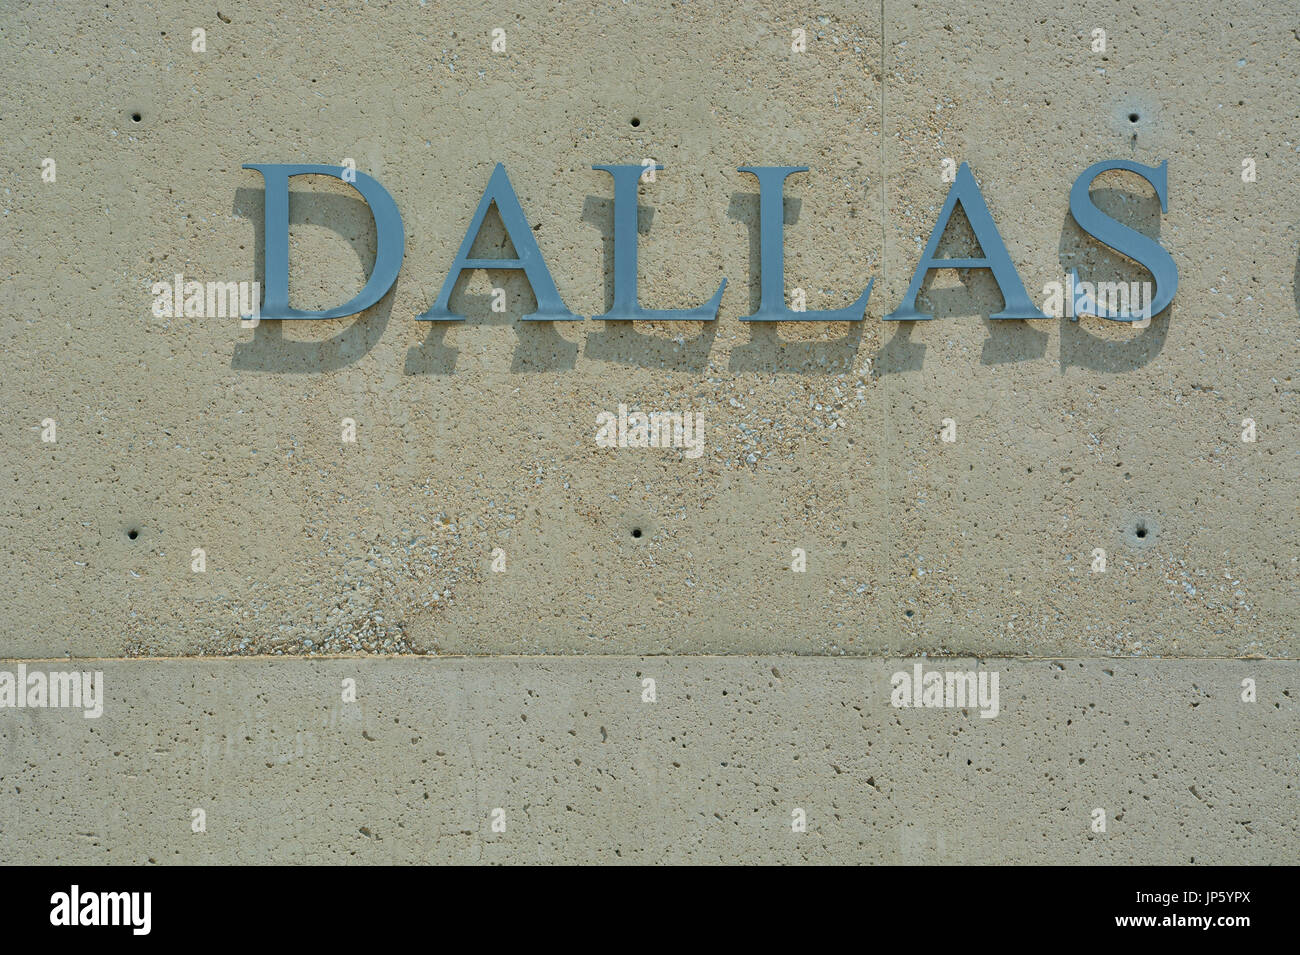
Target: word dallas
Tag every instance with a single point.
(658, 429)
(58, 689)
(390, 247)
(946, 688)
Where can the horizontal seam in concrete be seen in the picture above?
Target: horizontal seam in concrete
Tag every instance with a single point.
(847, 658)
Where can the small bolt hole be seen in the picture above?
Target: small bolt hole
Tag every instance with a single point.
(133, 533)
(135, 117)
(636, 532)
(1140, 530)
(1133, 117)
(635, 121)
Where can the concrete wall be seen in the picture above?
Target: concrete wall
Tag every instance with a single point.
(177, 433)
(584, 770)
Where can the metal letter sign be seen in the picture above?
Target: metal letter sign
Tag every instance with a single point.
(966, 190)
(390, 241)
(1138, 247)
(771, 230)
(626, 307)
(772, 307)
(499, 191)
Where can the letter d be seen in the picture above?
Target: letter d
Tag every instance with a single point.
(390, 239)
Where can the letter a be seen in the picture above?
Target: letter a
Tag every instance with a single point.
(966, 190)
(549, 306)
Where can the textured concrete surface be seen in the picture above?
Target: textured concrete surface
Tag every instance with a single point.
(196, 432)
(710, 772)
(184, 433)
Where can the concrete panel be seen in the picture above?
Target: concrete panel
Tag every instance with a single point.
(712, 771)
(1078, 435)
(197, 433)
(192, 432)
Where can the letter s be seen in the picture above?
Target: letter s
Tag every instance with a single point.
(1143, 250)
